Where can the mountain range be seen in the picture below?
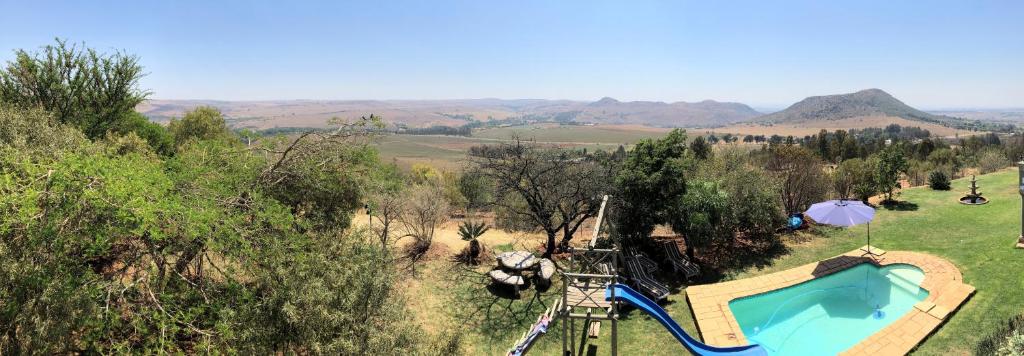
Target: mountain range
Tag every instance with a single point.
(421, 113)
(424, 113)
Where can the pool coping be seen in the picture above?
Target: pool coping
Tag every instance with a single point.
(943, 281)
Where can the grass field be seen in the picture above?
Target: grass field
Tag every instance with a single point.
(977, 239)
(449, 152)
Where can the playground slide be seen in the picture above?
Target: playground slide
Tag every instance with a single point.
(625, 294)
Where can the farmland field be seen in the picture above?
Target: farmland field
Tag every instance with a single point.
(449, 152)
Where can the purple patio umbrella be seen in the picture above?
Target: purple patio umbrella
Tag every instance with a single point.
(843, 213)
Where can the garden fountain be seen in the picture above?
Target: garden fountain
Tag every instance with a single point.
(974, 197)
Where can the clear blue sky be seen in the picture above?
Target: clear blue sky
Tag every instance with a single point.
(931, 54)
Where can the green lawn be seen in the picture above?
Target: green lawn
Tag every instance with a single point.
(978, 239)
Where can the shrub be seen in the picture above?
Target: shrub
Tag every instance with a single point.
(992, 160)
(938, 180)
(1007, 340)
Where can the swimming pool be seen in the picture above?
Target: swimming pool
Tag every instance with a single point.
(827, 315)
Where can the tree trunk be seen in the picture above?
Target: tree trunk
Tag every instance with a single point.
(474, 250)
(550, 248)
(689, 249)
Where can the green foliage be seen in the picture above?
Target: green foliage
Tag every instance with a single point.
(741, 197)
(158, 137)
(469, 230)
(79, 86)
(938, 180)
(35, 131)
(991, 160)
(106, 247)
(801, 176)
(556, 190)
(476, 188)
(1008, 340)
(649, 183)
(323, 178)
(201, 123)
(946, 158)
(918, 171)
(332, 296)
(700, 148)
(700, 214)
(891, 163)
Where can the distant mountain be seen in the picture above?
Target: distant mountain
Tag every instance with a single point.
(421, 113)
(870, 102)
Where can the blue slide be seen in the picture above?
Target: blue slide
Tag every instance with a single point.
(625, 294)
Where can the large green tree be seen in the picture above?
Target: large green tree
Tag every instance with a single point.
(891, 164)
(79, 86)
(649, 181)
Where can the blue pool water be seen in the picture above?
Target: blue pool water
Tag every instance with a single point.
(827, 315)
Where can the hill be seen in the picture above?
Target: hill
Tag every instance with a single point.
(864, 103)
(423, 113)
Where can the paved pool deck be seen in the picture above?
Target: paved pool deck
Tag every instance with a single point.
(942, 280)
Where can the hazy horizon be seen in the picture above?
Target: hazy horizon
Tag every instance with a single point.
(944, 55)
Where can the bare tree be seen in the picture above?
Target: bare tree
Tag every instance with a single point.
(425, 209)
(555, 189)
(387, 207)
(801, 175)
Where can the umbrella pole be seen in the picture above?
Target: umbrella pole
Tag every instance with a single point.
(869, 237)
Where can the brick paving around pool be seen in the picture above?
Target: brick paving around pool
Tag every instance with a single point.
(942, 280)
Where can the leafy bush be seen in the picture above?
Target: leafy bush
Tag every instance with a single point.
(107, 248)
(1006, 341)
(938, 180)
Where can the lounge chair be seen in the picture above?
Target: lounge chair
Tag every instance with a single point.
(679, 262)
(649, 264)
(644, 282)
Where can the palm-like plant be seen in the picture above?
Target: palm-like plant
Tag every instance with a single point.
(470, 231)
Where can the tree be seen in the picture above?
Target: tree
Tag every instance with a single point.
(476, 188)
(553, 189)
(470, 231)
(946, 158)
(79, 86)
(201, 123)
(321, 175)
(991, 160)
(387, 205)
(823, 146)
(853, 178)
(727, 198)
(891, 164)
(425, 210)
(801, 176)
(700, 215)
(648, 184)
(700, 148)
